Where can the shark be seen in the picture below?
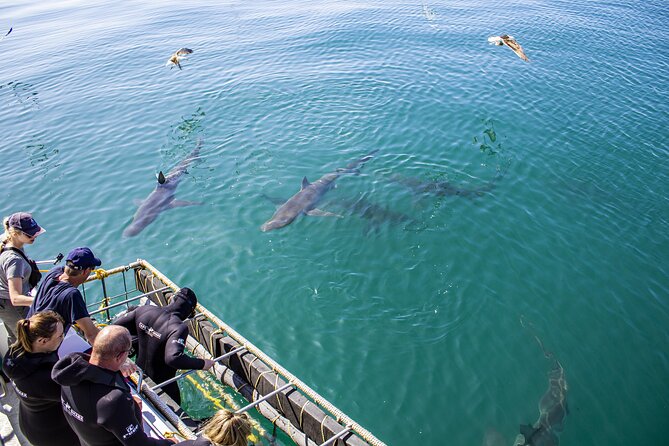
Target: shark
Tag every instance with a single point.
(442, 188)
(162, 197)
(376, 215)
(310, 194)
(552, 409)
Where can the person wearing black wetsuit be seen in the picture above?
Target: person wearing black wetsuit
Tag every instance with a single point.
(29, 363)
(96, 399)
(161, 336)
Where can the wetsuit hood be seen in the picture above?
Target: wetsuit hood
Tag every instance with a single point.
(183, 303)
(74, 368)
(25, 365)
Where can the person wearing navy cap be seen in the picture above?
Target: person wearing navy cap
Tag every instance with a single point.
(58, 291)
(18, 274)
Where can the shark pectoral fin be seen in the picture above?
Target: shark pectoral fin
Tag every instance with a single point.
(181, 203)
(321, 213)
(305, 182)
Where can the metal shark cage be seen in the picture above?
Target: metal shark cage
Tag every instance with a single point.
(279, 396)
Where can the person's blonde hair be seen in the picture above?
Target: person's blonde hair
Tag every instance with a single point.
(10, 232)
(39, 325)
(226, 428)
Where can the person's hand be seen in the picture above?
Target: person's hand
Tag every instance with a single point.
(128, 368)
(138, 400)
(208, 363)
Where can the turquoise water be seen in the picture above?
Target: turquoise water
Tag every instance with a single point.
(405, 313)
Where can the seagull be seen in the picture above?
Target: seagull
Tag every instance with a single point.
(509, 41)
(175, 59)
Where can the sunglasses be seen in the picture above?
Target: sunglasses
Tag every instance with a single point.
(29, 236)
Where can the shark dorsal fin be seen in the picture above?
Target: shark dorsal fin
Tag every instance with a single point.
(305, 182)
(161, 178)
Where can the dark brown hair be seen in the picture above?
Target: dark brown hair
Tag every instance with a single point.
(39, 325)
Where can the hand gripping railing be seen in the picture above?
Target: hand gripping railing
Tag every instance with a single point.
(178, 377)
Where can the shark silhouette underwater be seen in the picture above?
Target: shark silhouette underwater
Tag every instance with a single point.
(162, 197)
(553, 408)
(305, 201)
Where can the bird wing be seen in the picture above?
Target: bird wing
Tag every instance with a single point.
(183, 51)
(515, 46)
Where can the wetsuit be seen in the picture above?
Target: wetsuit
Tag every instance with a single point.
(98, 404)
(61, 297)
(161, 335)
(41, 416)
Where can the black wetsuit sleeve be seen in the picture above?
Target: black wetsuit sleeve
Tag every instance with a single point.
(128, 321)
(174, 351)
(118, 413)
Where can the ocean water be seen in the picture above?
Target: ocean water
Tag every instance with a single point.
(406, 311)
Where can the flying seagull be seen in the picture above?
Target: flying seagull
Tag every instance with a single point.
(509, 41)
(175, 59)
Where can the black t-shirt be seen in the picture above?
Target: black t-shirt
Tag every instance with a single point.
(60, 297)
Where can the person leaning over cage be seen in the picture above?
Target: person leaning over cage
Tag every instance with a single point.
(28, 364)
(96, 399)
(225, 428)
(161, 335)
(18, 274)
(58, 291)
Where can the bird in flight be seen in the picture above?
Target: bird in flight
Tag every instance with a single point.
(509, 41)
(175, 59)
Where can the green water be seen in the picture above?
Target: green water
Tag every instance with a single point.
(405, 313)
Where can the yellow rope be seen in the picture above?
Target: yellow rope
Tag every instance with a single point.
(100, 273)
(278, 400)
(251, 365)
(211, 338)
(323, 428)
(260, 376)
(302, 412)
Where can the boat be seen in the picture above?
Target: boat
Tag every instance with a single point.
(244, 378)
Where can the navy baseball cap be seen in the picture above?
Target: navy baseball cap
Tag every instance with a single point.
(82, 258)
(25, 223)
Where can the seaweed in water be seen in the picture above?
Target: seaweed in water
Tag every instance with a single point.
(488, 141)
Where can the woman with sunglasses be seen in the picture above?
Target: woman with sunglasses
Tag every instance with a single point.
(29, 363)
(18, 274)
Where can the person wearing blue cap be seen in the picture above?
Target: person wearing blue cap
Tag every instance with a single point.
(58, 291)
(18, 274)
